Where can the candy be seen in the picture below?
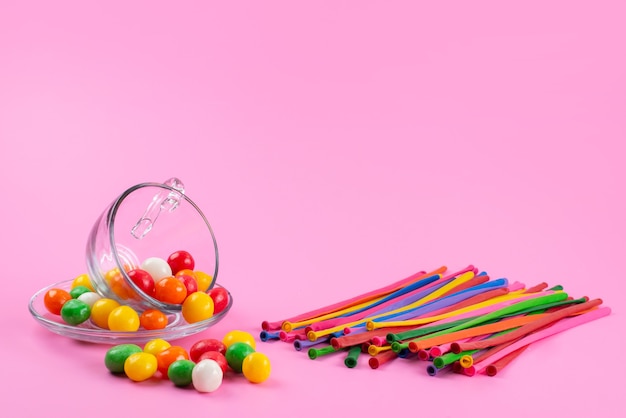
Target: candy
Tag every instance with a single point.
(207, 376)
(140, 366)
(157, 268)
(54, 299)
(90, 298)
(236, 336)
(100, 312)
(256, 367)
(75, 312)
(189, 281)
(156, 345)
(79, 290)
(197, 307)
(153, 319)
(116, 356)
(143, 280)
(205, 371)
(170, 290)
(236, 353)
(206, 345)
(220, 299)
(82, 280)
(218, 357)
(180, 372)
(170, 355)
(123, 318)
(180, 260)
(204, 280)
(117, 284)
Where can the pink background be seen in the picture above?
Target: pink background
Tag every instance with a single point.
(335, 147)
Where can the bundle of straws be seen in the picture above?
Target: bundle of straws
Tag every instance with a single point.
(462, 322)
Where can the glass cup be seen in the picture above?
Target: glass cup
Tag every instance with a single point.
(147, 220)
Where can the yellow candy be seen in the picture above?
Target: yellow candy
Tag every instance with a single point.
(140, 366)
(204, 280)
(237, 336)
(101, 310)
(256, 367)
(83, 280)
(156, 346)
(123, 318)
(197, 307)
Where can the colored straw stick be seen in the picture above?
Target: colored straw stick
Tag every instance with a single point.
(423, 355)
(395, 305)
(374, 350)
(525, 329)
(449, 358)
(558, 327)
(420, 330)
(475, 281)
(299, 345)
(352, 357)
(359, 338)
(274, 325)
(481, 309)
(438, 339)
(496, 367)
(455, 282)
(537, 288)
(266, 335)
(445, 302)
(434, 371)
(397, 302)
(385, 357)
(319, 352)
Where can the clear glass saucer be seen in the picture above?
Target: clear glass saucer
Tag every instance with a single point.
(177, 327)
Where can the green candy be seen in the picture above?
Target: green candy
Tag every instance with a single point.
(75, 312)
(116, 356)
(236, 353)
(179, 372)
(79, 290)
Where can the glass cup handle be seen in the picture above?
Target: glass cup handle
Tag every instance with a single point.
(163, 201)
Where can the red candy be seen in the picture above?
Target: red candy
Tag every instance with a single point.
(220, 299)
(143, 280)
(189, 281)
(205, 346)
(180, 260)
(218, 357)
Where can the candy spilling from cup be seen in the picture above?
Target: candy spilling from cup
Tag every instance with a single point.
(152, 264)
(167, 280)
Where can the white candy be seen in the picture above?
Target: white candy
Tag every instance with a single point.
(89, 298)
(207, 376)
(157, 267)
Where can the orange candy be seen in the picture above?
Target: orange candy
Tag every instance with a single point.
(170, 355)
(170, 290)
(153, 319)
(54, 299)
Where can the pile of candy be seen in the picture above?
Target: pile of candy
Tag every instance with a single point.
(203, 365)
(462, 322)
(171, 281)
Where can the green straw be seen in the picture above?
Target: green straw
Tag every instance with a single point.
(391, 337)
(448, 358)
(513, 309)
(319, 352)
(353, 356)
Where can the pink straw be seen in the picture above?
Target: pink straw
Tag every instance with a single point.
(560, 326)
